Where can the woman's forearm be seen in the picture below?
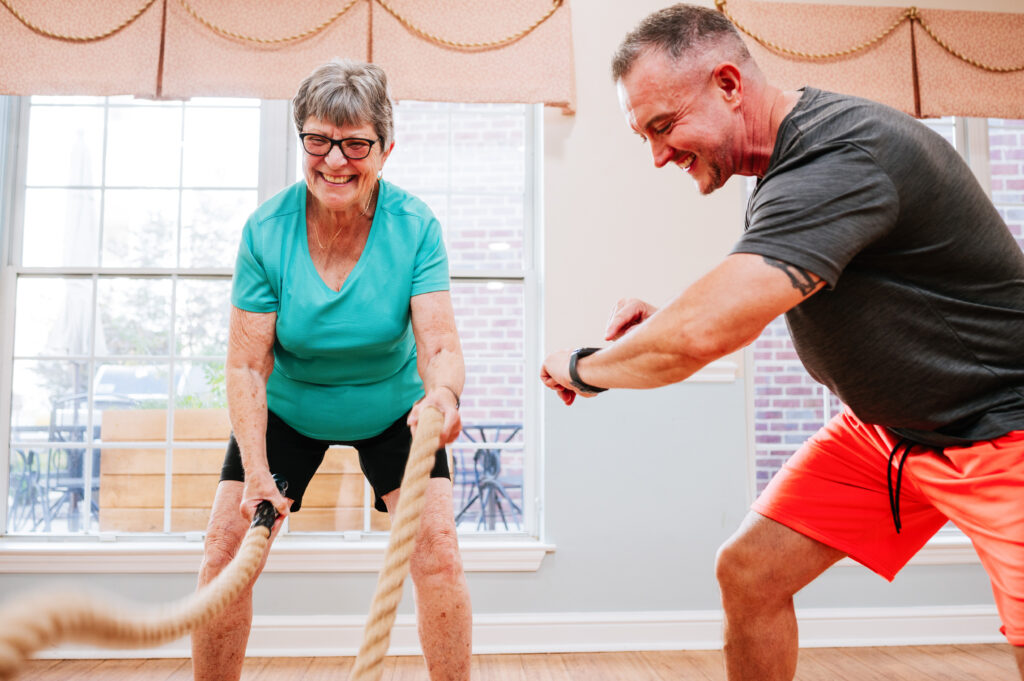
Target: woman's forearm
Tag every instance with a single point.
(247, 409)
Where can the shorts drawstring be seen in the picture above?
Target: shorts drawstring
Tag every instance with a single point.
(894, 492)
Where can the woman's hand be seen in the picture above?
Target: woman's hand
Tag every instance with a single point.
(444, 400)
(260, 486)
(626, 314)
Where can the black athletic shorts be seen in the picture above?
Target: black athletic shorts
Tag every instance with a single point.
(296, 457)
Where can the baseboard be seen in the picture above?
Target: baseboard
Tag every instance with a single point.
(322, 635)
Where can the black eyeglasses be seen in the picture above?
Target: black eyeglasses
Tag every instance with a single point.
(353, 148)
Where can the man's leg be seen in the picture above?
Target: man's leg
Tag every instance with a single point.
(444, 615)
(218, 648)
(759, 570)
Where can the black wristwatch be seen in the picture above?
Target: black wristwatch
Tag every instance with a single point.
(574, 376)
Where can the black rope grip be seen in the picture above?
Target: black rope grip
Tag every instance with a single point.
(266, 514)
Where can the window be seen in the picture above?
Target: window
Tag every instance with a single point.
(789, 405)
(123, 226)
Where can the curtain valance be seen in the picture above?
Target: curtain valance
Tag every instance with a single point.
(442, 50)
(923, 61)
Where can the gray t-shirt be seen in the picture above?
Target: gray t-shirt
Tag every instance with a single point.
(921, 327)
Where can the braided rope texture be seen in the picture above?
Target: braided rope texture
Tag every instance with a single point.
(377, 634)
(74, 38)
(404, 20)
(42, 620)
(910, 14)
(481, 45)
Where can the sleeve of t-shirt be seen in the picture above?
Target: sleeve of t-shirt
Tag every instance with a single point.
(821, 213)
(251, 289)
(430, 273)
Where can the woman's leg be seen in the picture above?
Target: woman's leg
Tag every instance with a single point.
(218, 648)
(443, 609)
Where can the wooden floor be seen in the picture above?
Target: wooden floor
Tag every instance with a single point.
(919, 663)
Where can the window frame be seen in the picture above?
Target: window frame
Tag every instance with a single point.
(336, 551)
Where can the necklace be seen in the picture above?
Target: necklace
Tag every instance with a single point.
(316, 228)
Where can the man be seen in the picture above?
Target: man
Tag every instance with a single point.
(904, 293)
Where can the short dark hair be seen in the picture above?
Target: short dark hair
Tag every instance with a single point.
(676, 30)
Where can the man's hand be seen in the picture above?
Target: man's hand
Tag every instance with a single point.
(626, 314)
(555, 374)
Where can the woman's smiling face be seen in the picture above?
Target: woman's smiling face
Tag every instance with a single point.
(336, 182)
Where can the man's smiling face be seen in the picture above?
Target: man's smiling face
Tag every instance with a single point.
(684, 116)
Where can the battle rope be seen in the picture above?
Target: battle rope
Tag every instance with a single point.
(41, 620)
(377, 634)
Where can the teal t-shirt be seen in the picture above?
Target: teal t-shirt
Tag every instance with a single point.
(344, 361)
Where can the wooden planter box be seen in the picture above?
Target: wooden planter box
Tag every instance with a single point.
(131, 496)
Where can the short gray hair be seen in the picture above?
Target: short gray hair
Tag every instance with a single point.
(347, 92)
(677, 30)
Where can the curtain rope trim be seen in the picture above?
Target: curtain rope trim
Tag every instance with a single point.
(263, 41)
(404, 20)
(910, 14)
(482, 45)
(75, 38)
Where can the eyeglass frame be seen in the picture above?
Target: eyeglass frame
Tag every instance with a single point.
(338, 143)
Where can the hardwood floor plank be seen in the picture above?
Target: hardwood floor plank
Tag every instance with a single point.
(544, 667)
(409, 668)
(672, 665)
(252, 667)
(329, 668)
(999, 654)
(68, 670)
(165, 669)
(906, 663)
(283, 669)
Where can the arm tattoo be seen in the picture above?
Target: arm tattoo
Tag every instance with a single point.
(802, 280)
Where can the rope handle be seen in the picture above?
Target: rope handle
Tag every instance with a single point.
(45, 618)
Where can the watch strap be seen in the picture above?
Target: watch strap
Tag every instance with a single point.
(574, 375)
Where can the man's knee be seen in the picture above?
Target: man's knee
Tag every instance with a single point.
(737, 565)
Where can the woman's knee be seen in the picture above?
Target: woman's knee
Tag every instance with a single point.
(224, 532)
(437, 553)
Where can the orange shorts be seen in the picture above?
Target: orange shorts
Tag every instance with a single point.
(835, 489)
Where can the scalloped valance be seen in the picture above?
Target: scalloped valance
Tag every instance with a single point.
(926, 62)
(441, 50)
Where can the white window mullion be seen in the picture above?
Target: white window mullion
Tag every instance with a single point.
(972, 140)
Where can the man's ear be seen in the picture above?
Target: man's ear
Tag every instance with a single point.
(729, 81)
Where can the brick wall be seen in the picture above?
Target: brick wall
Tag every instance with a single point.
(468, 162)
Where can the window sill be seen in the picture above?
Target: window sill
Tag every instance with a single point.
(287, 555)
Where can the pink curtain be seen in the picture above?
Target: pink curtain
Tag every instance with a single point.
(185, 48)
(536, 68)
(950, 86)
(906, 68)
(199, 61)
(125, 62)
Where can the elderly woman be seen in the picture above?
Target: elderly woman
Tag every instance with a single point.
(341, 331)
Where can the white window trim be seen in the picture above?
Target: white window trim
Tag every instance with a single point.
(336, 553)
(296, 553)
